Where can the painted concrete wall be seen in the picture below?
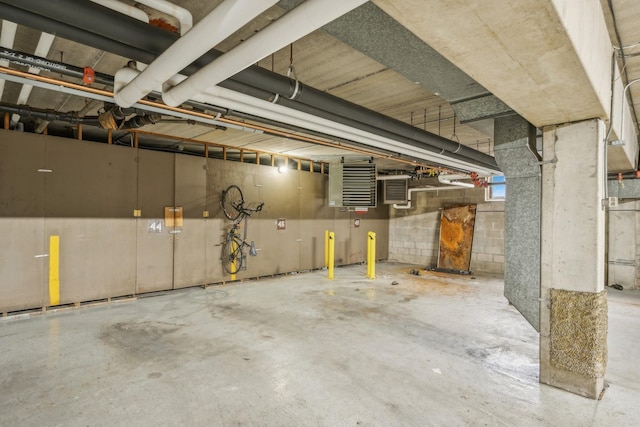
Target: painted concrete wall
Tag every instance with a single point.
(414, 233)
(621, 157)
(86, 193)
(624, 245)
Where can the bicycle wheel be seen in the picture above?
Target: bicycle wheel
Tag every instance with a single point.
(232, 202)
(232, 257)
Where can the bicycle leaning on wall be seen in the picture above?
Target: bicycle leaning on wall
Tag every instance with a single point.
(234, 257)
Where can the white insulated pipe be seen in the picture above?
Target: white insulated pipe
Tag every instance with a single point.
(392, 177)
(223, 21)
(452, 180)
(124, 8)
(296, 24)
(180, 13)
(232, 100)
(421, 189)
(236, 101)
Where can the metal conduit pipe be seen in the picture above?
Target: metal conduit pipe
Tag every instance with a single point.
(220, 96)
(421, 189)
(223, 21)
(251, 105)
(392, 177)
(268, 96)
(33, 61)
(25, 59)
(84, 36)
(145, 42)
(238, 102)
(106, 96)
(453, 180)
(48, 115)
(42, 49)
(614, 176)
(149, 106)
(382, 132)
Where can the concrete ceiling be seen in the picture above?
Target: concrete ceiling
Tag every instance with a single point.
(396, 58)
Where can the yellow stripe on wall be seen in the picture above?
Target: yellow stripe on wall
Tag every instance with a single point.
(54, 270)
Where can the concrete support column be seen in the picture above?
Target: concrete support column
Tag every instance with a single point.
(573, 311)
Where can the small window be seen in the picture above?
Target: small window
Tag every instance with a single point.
(497, 189)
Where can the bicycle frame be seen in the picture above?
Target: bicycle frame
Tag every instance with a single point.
(233, 254)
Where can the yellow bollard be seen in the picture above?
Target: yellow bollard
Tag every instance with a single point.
(371, 255)
(332, 244)
(234, 265)
(54, 270)
(326, 248)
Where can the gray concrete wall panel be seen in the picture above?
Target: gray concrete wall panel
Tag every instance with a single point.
(24, 264)
(97, 257)
(622, 246)
(189, 258)
(89, 180)
(23, 257)
(279, 250)
(21, 185)
(89, 200)
(154, 259)
(215, 223)
(315, 217)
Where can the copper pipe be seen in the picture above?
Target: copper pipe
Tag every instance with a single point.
(271, 131)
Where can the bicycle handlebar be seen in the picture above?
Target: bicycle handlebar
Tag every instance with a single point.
(248, 211)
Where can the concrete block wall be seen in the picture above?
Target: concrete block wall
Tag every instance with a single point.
(414, 233)
(623, 249)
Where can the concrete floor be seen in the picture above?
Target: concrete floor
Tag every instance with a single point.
(303, 350)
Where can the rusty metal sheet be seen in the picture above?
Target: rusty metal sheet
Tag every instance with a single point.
(456, 237)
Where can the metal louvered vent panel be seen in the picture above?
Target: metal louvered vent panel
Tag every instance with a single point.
(352, 185)
(395, 191)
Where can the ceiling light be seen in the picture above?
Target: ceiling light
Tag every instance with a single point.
(282, 169)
